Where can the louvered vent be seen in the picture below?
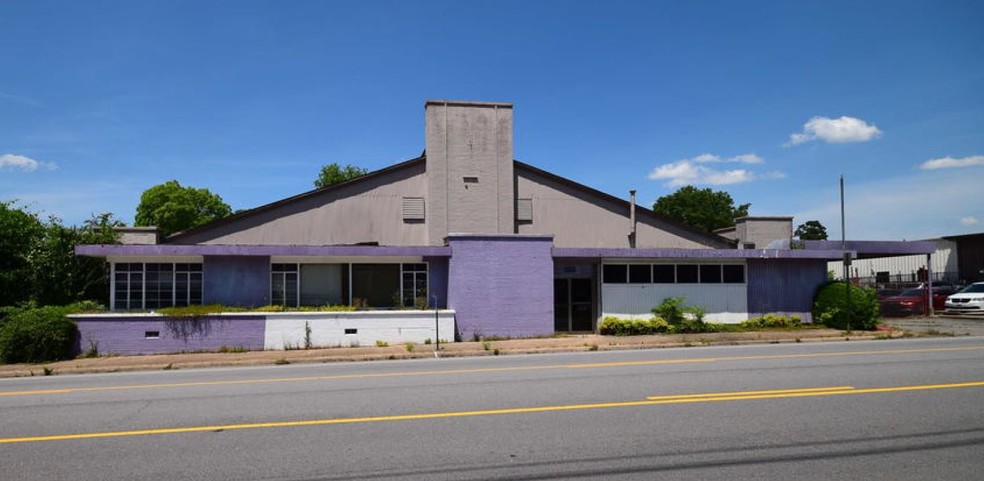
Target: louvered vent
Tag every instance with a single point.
(524, 210)
(413, 208)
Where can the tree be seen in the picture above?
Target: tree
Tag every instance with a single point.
(38, 262)
(20, 233)
(333, 173)
(173, 208)
(702, 208)
(60, 277)
(811, 230)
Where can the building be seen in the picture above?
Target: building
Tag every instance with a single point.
(500, 247)
(955, 260)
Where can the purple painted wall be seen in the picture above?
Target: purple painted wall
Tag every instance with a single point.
(438, 279)
(237, 281)
(784, 286)
(501, 285)
(118, 334)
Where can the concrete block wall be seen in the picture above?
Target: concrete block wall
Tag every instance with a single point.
(501, 285)
(129, 334)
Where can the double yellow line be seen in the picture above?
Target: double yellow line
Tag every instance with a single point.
(652, 400)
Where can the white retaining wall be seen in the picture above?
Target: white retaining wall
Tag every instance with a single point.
(287, 330)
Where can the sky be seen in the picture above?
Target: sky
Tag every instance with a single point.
(770, 101)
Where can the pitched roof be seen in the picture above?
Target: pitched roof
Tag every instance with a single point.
(177, 236)
(640, 210)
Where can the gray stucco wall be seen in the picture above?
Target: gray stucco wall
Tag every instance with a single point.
(469, 168)
(363, 211)
(576, 220)
(501, 285)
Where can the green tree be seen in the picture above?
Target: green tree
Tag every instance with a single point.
(20, 233)
(703, 208)
(811, 230)
(333, 173)
(59, 276)
(173, 208)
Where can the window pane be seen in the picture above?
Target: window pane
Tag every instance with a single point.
(734, 274)
(640, 273)
(686, 273)
(710, 274)
(614, 274)
(664, 274)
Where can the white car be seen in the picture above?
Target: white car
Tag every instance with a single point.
(970, 299)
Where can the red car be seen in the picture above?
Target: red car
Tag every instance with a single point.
(912, 301)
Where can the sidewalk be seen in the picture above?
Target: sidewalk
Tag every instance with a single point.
(573, 343)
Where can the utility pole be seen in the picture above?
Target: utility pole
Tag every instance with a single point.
(847, 259)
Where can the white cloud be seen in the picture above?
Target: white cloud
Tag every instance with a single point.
(969, 220)
(835, 131)
(695, 171)
(949, 162)
(23, 164)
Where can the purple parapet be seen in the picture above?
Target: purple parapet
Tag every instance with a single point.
(784, 287)
(501, 285)
(99, 250)
(155, 334)
(620, 253)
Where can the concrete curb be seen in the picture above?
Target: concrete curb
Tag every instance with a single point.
(417, 351)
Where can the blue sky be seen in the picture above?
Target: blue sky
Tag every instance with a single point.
(769, 101)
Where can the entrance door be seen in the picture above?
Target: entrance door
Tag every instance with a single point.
(573, 306)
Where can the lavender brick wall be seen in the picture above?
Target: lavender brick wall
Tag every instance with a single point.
(501, 285)
(784, 286)
(237, 280)
(438, 280)
(127, 334)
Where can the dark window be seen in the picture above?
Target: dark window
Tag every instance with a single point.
(614, 274)
(686, 274)
(734, 274)
(640, 274)
(664, 274)
(351, 331)
(710, 274)
(152, 334)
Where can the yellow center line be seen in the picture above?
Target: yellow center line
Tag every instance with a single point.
(485, 370)
(681, 399)
(749, 393)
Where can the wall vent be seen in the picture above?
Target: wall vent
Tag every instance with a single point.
(413, 208)
(524, 210)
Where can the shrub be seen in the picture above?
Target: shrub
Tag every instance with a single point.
(38, 335)
(614, 326)
(830, 307)
(682, 319)
(772, 321)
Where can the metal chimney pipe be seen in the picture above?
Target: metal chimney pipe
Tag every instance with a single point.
(632, 217)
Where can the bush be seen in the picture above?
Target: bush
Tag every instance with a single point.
(772, 321)
(614, 326)
(682, 319)
(38, 335)
(831, 310)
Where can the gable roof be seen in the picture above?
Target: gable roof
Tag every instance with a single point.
(178, 236)
(699, 234)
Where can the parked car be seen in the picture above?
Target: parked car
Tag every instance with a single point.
(970, 299)
(914, 301)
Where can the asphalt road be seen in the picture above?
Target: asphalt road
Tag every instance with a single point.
(905, 409)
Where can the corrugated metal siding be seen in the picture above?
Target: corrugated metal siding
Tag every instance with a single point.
(723, 302)
(413, 208)
(784, 286)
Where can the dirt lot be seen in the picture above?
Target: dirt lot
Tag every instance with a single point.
(487, 348)
(955, 325)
